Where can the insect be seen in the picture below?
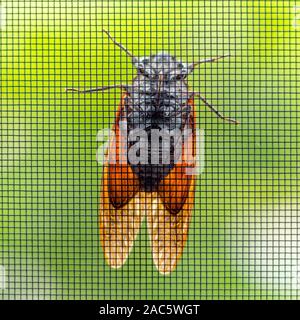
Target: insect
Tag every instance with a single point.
(158, 100)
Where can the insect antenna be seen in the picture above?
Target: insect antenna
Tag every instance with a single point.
(213, 109)
(193, 65)
(121, 86)
(134, 58)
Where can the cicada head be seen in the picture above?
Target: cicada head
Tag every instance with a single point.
(162, 66)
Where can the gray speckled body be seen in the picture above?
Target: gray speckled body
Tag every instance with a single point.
(158, 99)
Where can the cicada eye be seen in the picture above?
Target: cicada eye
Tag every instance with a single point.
(143, 72)
(145, 60)
(182, 75)
(141, 69)
(142, 62)
(142, 66)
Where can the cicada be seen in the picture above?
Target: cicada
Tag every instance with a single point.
(140, 177)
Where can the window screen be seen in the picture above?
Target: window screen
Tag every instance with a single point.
(243, 240)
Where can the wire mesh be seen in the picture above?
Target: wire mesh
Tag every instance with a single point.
(243, 239)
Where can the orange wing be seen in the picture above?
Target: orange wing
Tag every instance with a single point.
(123, 206)
(169, 214)
(120, 208)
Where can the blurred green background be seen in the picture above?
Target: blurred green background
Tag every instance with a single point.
(244, 237)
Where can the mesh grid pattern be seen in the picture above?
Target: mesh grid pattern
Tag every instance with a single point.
(244, 236)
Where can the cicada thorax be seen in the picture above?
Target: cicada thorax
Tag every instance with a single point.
(157, 111)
